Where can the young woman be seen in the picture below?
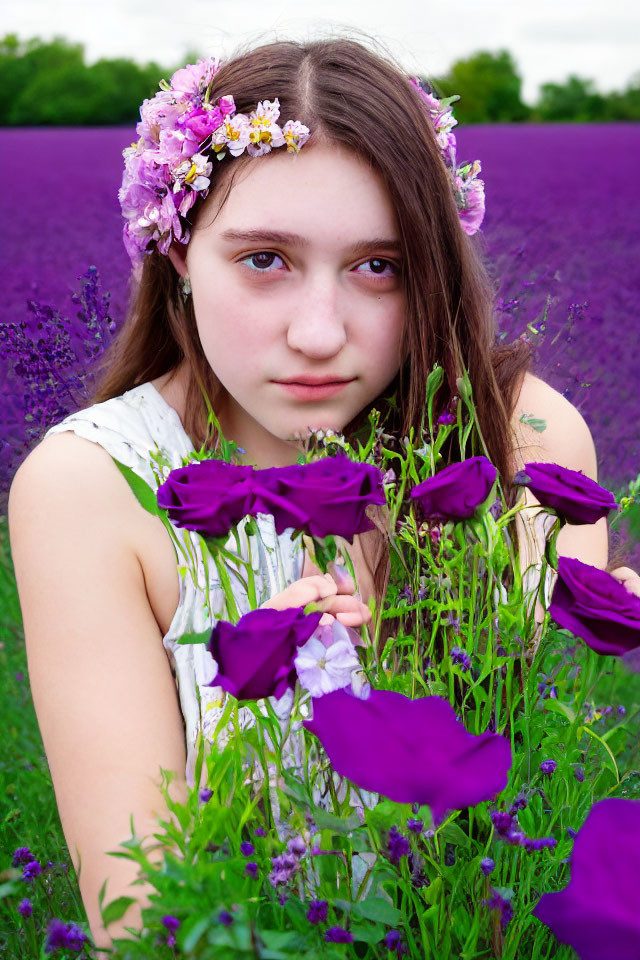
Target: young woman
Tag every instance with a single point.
(344, 258)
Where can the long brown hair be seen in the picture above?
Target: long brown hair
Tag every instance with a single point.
(362, 101)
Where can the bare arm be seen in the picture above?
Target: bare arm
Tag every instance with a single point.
(104, 696)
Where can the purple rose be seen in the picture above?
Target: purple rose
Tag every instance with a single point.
(597, 912)
(575, 497)
(327, 497)
(255, 656)
(595, 606)
(456, 492)
(412, 751)
(210, 497)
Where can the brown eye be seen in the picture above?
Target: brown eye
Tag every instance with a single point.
(262, 261)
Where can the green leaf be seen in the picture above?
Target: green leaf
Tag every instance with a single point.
(194, 934)
(454, 834)
(534, 422)
(614, 765)
(377, 909)
(116, 909)
(144, 494)
(203, 637)
(556, 706)
(6, 889)
(367, 934)
(325, 820)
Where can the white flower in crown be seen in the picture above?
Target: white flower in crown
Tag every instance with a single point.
(233, 135)
(264, 133)
(295, 135)
(192, 173)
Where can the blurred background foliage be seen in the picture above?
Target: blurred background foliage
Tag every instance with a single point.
(48, 83)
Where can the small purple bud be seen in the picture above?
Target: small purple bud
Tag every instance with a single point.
(622, 711)
(25, 908)
(205, 795)
(20, 856)
(416, 826)
(31, 870)
(170, 922)
(225, 918)
(317, 912)
(251, 869)
(246, 848)
(296, 846)
(578, 773)
(572, 833)
(487, 865)
(547, 767)
(171, 940)
(259, 832)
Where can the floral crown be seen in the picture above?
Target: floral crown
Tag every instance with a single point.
(169, 166)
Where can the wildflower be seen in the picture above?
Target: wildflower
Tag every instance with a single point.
(65, 936)
(597, 912)
(393, 941)
(225, 918)
(246, 848)
(461, 658)
(397, 845)
(338, 935)
(547, 767)
(31, 870)
(20, 856)
(416, 826)
(205, 795)
(251, 869)
(409, 749)
(327, 660)
(487, 865)
(572, 833)
(454, 621)
(296, 846)
(519, 803)
(578, 773)
(25, 907)
(259, 832)
(532, 844)
(621, 711)
(284, 866)
(317, 912)
(282, 899)
(170, 922)
(497, 902)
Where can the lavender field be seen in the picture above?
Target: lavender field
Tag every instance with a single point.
(562, 221)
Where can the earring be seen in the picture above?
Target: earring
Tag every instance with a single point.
(185, 287)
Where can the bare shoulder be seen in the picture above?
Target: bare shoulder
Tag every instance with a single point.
(68, 474)
(550, 428)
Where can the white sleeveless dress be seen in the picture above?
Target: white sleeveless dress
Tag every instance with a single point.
(130, 427)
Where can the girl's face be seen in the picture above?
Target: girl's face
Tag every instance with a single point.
(298, 276)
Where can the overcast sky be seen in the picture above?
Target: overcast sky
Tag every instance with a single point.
(549, 38)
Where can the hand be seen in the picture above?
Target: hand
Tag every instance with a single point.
(629, 578)
(334, 596)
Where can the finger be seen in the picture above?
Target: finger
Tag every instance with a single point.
(350, 619)
(342, 578)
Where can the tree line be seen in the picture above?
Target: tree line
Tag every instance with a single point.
(49, 84)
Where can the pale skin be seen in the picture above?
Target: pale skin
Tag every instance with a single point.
(101, 683)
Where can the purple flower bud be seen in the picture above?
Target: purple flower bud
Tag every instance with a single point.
(171, 940)
(397, 845)
(259, 832)
(205, 795)
(31, 870)
(622, 711)
(547, 767)
(282, 899)
(20, 856)
(246, 848)
(572, 833)
(251, 869)
(487, 865)
(578, 773)
(393, 941)
(317, 912)
(296, 846)
(25, 907)
(338, 935)
(416, 826)
(497, 902)
(461, 658)
(170, 922)
(225, 918)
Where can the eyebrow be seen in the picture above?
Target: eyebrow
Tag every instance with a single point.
(295, 240)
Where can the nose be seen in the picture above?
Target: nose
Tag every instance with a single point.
(316, 325)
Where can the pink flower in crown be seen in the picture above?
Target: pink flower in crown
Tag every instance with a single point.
(232, 135)
(193, 173)
(161, 112)
(295, 135)
(195, 78)
(203, 120)
(471, 201)
(264, 132)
